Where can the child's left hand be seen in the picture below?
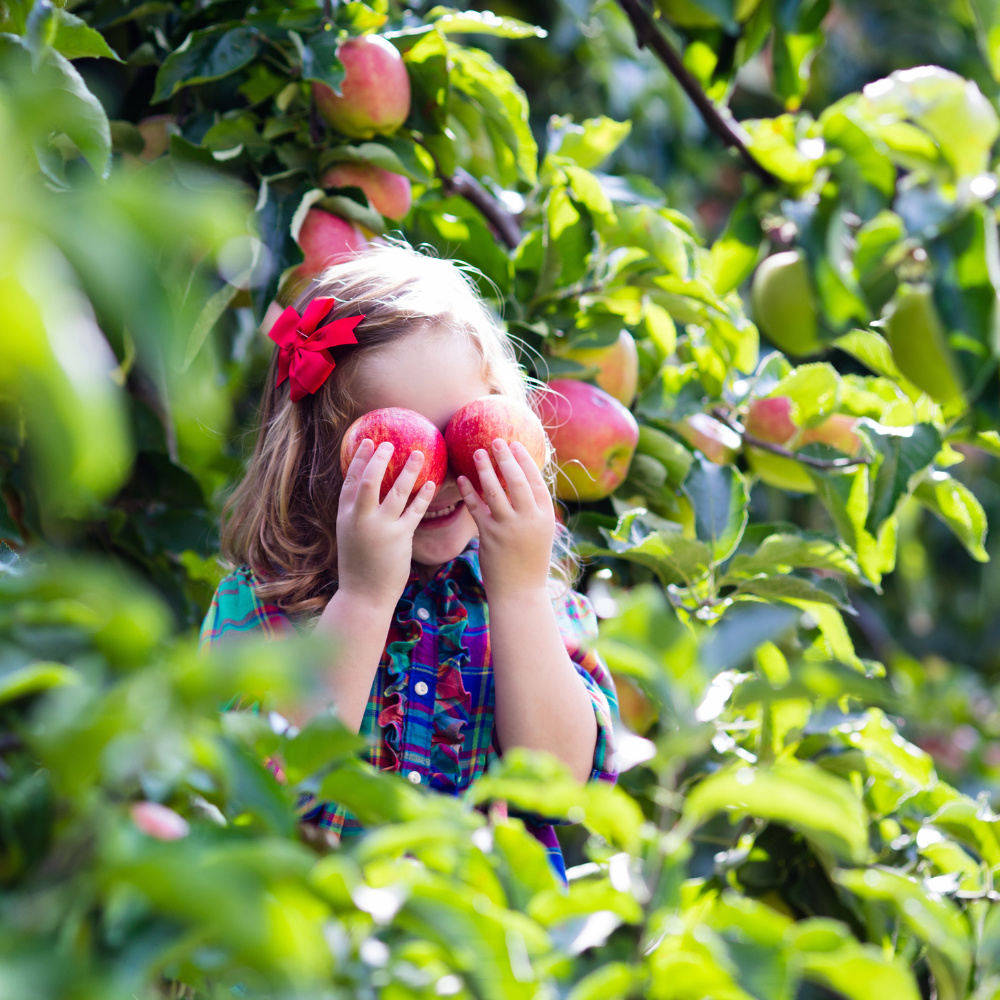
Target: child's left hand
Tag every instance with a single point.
(515, 531)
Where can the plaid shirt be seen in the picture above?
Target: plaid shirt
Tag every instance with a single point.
(430, 714)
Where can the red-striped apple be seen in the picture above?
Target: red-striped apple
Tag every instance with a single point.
(407, 431)
(388, 193)
(375, 93)
(594, 437)
(770, 419)
(479, 423)
(618, 366)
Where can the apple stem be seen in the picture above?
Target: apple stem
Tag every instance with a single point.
(647, 34)
(777, 449)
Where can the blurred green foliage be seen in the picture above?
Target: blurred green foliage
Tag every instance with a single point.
(804, 809)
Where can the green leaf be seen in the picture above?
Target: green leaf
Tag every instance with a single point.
(54, 98)
(844, 128)
(427, 64)
(319, 59)
(612, 981)
(789, 588)
(323, 742)
(720, 499)
(589, 144)
(353, 211)
(958, 507)
(69, 34)
(373, 796)
(735, 252)
(782, 553)
(934, 920)
(210, 314)
(476, 74)
(34, 679)
(672, 557)
(474, 22)
(870, 349)
(588, 191)
(905, 451)
(208, 54)
(381, 154)
(824, 809)
(813, 389)
(584, 897)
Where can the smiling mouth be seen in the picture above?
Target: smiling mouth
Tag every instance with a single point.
(433, 515)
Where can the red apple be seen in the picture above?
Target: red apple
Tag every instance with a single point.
(717, 442)
(770, 419)
(407, 431)
(388, 193)
(326, 238)
(479, 423)
(836, 431)
(594, 437)
(159, 821)
(618, 366)
(375, 94)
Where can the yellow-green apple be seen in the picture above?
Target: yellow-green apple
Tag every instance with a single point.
(388, 193)
(375, 93)
(479, 423)
(617, 365)
(784, 305)
(838, 432)
(717, 442)
(770, 419)
(594, 437)
(407, 431)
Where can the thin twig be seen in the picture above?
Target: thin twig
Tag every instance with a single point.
(464, 184)
(648, 34)
(777, 449)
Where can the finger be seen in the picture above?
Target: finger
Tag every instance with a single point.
(418, 506)
(491, 489)
(371, 479)
(536, 481)
(395, 499)
(474, 504)
(352, 478)
(521, 497)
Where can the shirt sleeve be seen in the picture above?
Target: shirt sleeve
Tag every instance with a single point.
(578, 627)
(237, 610)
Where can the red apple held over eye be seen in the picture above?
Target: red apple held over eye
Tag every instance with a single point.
(770, 419)
(479, 423)
(717, 442)
(594, 437)
(836, 431)
(388, 193)
(375, 94)
(407, 431)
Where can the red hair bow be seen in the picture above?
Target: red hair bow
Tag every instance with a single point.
(303, 351)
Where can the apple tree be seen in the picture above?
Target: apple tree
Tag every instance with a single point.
(773, 835)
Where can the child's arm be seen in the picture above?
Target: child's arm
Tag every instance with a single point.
(374, 547)
(541, 701)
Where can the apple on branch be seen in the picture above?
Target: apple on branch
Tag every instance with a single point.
(594, 437)
(717, 442)
(407, 431)
(617, 365)
(388, 193)
(479, 423)
(375, 94)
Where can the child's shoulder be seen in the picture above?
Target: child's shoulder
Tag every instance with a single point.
(237, 608)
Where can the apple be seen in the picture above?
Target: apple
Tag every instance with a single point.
(326, 238)
(479, 423)
(836, 431)
(784, 304)
(618, 366)
(375, 94)
(717, 442)
(407, 431)
(388, 193)
(594, 437)
(770, 419)
(159, 821)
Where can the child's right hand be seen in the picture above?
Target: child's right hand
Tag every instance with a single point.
(375, 540)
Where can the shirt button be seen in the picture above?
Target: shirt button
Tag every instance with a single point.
(420, 687)
(414, 777)
(423, 614)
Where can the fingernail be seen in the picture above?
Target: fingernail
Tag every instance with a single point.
(481, 454)
(498, 444)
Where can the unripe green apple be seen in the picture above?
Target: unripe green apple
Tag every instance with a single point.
(784, 306)
(919, 344)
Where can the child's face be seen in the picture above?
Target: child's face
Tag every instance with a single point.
(435, 373)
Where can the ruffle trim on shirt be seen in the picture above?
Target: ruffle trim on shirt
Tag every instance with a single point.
(404, 636)
(452, 702)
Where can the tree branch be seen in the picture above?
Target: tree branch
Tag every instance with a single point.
(464, 184)
(647, 34)
(777, 449)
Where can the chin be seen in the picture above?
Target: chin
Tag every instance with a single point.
(439, 540)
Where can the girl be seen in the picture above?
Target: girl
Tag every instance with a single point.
(454, 641)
